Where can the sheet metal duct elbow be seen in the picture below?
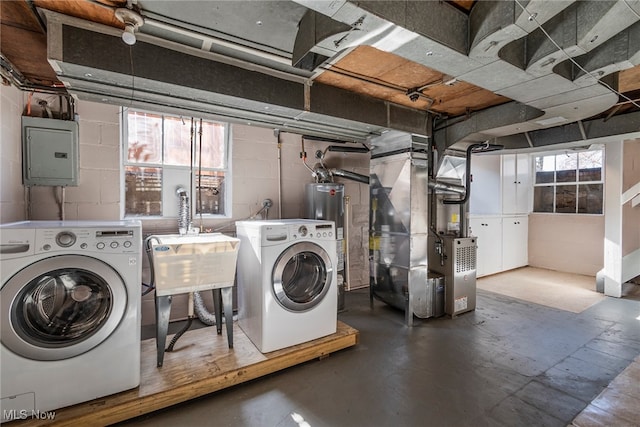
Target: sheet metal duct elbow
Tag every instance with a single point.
(350, 175)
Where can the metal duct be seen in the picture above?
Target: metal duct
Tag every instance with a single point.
(624, 126)
(350, 175)
(506, 52)
(443, 187)
(95, 65)
(398, 222)
(467, 175)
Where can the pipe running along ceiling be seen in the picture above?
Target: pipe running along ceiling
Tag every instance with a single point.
(342, 68)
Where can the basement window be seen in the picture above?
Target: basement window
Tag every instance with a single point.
(569, 182)
(164, 152)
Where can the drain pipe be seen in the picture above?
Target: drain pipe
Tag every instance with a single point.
(184, 211)
(276, 133)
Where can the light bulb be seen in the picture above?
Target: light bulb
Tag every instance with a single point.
(128, 35)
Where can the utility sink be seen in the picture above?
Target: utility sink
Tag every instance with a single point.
(193, 263)
(190, 263)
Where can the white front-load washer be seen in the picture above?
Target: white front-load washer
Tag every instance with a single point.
(287, 285)
(70, 306)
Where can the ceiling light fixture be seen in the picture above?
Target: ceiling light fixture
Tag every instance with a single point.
(132, 21)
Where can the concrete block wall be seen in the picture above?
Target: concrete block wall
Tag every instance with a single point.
(97, 197)
(12, 205)
(254, 163)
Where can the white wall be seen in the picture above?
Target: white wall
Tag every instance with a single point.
(568, 243)
(630, 215)
(254, 178)
(561, 242)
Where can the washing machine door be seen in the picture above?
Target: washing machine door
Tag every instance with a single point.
(61, 307)
(302, 276)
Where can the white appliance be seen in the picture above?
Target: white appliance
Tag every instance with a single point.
(193, 263)
(287, 284)
(70, 306)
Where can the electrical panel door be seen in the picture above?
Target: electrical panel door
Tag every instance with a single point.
(49, 152)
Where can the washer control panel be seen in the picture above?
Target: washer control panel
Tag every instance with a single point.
(275, 232)
(324, 231)
(114, 240)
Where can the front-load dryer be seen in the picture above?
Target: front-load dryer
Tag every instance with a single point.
(287, 290)
(70, 306)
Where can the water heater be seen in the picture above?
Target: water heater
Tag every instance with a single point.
(326, 201)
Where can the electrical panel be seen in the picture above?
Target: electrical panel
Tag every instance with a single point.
(49, 152)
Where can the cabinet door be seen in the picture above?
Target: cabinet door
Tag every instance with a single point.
(516, 184)
(485, 185)
(488, 231)
(509, 184)
(523, 183)
(515, 233)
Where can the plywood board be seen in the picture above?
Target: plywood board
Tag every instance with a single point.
(629, 80)
(85, 9)
(383, 75)
(201, 364)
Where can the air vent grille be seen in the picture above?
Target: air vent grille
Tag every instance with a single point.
(465, 259)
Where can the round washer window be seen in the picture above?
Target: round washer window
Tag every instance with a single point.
(302, 276)
(61, 307)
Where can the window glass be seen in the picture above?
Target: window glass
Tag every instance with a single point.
(210, 192)
(590, 166)
(569, 182)
(213, 147)
(543, 198)
(145, 138)
(545, 169)
(590, 198)
(166, 152)
(566, 198)
(177, 134)
(143, 191)
(566, 166)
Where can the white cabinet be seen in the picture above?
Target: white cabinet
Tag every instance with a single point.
(488, 231)
(516, 183)
(515, 241)
(485, 185)
(499, 206)
(502, 242)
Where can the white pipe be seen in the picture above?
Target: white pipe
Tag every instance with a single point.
(277, 134)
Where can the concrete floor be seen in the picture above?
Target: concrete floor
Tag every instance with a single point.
(508, 363)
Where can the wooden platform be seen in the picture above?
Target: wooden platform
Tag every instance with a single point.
(201, 363)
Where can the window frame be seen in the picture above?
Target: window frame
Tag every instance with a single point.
(576, 183)
(192, 169)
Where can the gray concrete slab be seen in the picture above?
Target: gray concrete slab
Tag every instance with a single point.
(508, 363)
